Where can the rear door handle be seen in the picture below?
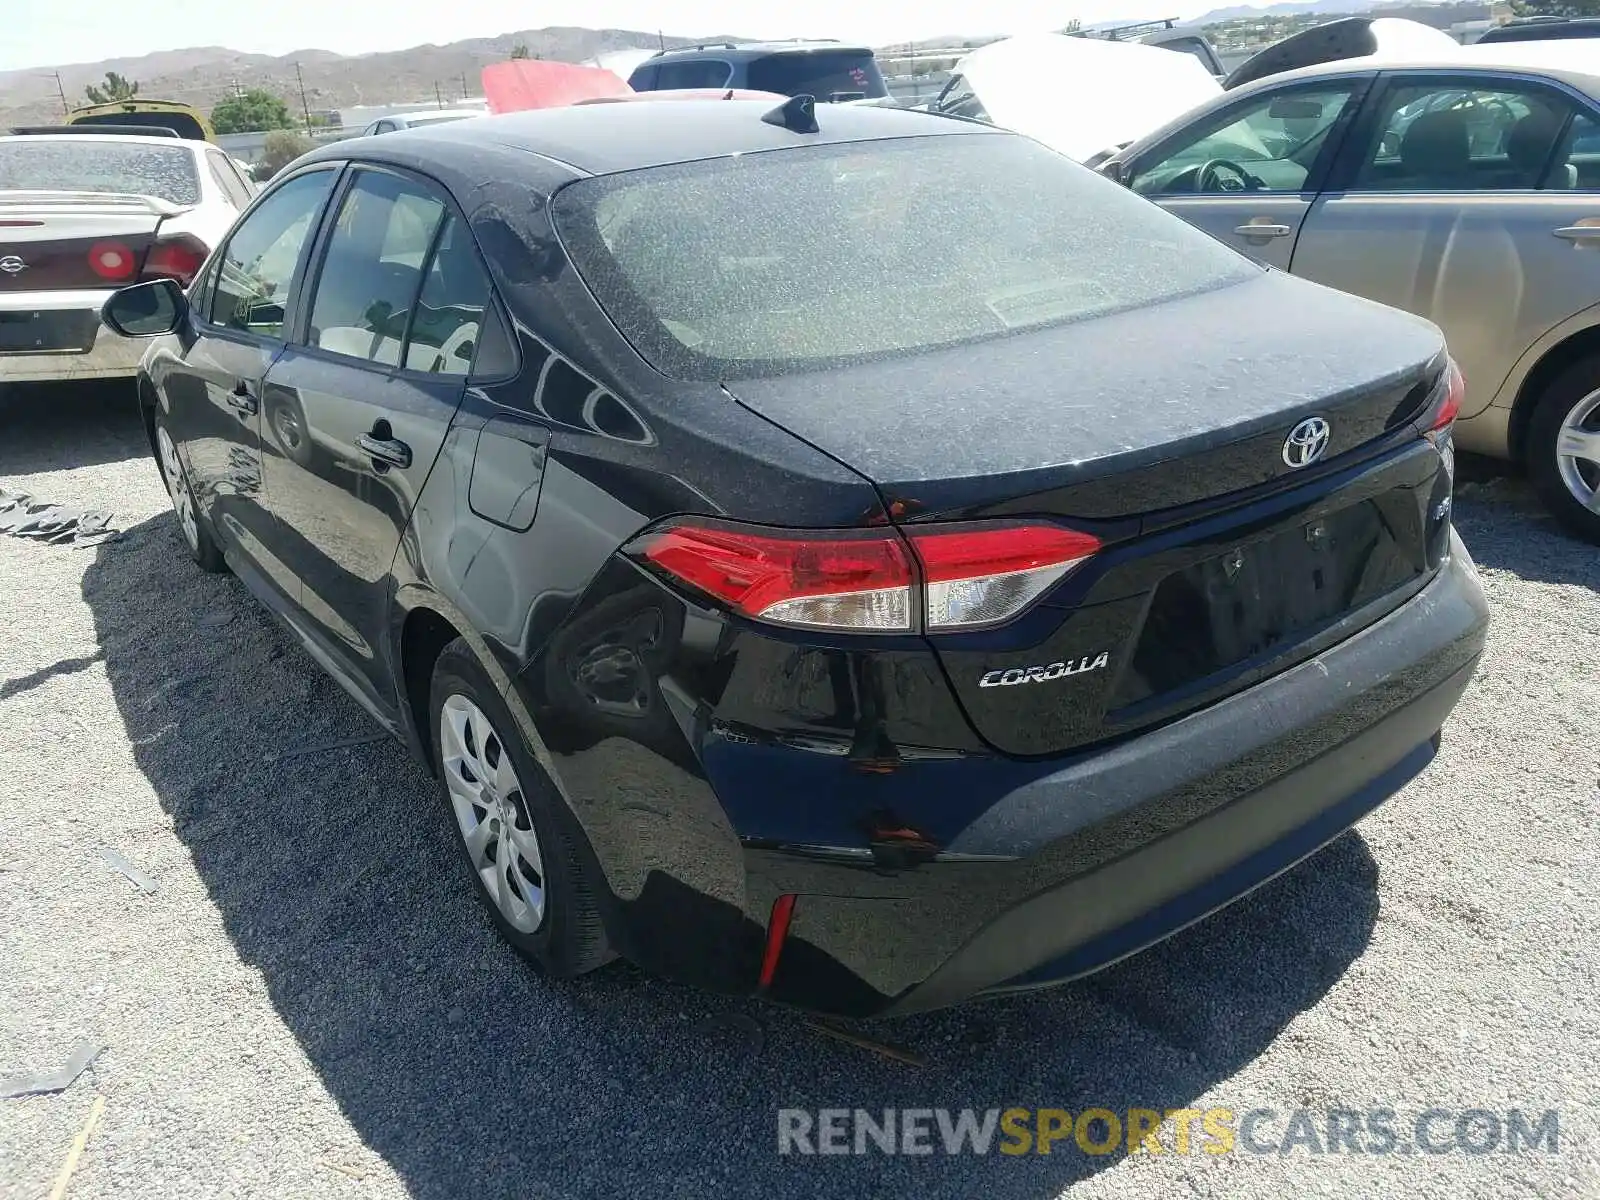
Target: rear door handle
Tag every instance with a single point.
(391, 452)
(242, 399)
(1578, 233)
(1263, 232)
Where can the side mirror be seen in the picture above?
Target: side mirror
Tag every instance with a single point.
(146, 309)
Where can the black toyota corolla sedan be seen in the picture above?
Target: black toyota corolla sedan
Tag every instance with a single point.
(850, 556)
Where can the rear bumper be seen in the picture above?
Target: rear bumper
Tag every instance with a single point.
(1091, 860)
(110, 357)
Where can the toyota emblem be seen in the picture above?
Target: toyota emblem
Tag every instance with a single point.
(1306, 442)
(12, 265)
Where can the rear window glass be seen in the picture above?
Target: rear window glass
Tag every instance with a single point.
(825, 74)
(793, 260)
(184, 125)
(81, 164)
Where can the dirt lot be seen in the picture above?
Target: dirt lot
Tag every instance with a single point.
(310, 1004)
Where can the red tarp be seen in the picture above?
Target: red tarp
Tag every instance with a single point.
(525, 83)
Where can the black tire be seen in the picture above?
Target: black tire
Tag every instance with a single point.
(199, 541)
(571, 939)
(1574, 386)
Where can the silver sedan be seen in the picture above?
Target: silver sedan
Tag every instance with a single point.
(1463, 187)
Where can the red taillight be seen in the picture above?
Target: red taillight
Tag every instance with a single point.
(846, 580)
(969, 576)
(112, 261)
(978, 575)
(1437, 422)
(178, 257)
(1455, 391)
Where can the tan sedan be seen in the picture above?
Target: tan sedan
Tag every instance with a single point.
(1464, 188)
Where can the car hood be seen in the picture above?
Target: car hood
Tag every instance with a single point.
(1084, 95)
(1376, 39)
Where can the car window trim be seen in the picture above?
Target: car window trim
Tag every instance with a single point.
(1316, 177)
(1342, 179)
(203, 317)
(300, 330)
(237, 176)
(221, 172)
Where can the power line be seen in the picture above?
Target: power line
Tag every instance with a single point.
(305, 105)
(66, 108)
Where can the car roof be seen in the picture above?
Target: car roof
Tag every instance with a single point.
(602, 139)
(747, 50)
(1571, 61)
(141, 139)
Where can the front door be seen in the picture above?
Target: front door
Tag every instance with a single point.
(1473, 201)
(235, 331)
(358, 407)
(1248, 173)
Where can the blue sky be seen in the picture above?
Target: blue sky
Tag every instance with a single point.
(50, 32)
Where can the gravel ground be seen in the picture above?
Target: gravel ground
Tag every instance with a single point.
(310, 1004)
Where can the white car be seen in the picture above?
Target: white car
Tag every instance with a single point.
(415, 120)
(1079, 96)
(83, 214)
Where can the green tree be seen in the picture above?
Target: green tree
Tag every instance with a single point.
(250, 111)
(520, 50)
(279, 150)
(114, 88)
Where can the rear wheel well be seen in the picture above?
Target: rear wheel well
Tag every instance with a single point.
(423, 637)
(1581, 345)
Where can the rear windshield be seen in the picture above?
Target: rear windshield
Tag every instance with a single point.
(825, 74)
(794, 260)
(83, 164)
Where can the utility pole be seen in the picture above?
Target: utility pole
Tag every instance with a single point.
(661, 41)
(437, 94)
(305, 106)
(464, 92)
(61, 89)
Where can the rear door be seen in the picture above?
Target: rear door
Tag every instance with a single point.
(1248, 173)
(1469, 199)
(213, 389)
(356, 410)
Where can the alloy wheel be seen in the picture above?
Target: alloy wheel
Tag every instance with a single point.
(492, 813)
(178, 488)
(1578, 451)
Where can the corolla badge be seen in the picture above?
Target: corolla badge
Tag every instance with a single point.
(12, 265)
(1046, 673)
(1306, 442)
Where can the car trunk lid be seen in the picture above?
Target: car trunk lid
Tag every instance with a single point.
(1164, 432)
(51, 241)
(1118, 416)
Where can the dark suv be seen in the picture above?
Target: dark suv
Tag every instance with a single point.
(1539, 29)
(825, 70)
(949, 604)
